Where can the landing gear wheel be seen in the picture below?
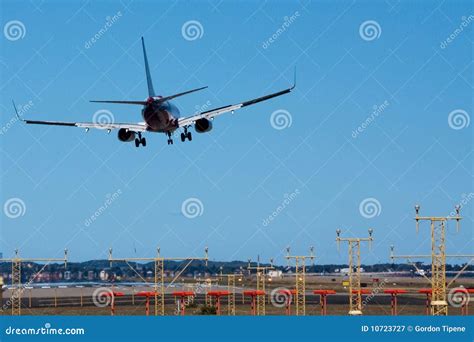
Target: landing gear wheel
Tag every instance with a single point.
(170, 141)
(137, 142)
(183, 137)
(143, 141)
(189, 136)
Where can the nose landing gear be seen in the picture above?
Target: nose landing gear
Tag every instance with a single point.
(140, 140)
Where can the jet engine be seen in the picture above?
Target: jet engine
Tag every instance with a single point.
(125, 135)
(203, 125)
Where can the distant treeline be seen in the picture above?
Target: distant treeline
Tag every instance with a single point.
(90, 270)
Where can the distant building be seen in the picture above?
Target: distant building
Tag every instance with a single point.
(103, 275)
(346, 270)
(274, 274)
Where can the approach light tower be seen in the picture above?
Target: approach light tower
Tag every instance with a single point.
(17, 288)
(230, 290)
(439, 304)
(355, 296)
(300, 273)
(159, 281)
(261, 274)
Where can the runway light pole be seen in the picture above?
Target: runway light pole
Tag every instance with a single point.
(17, 287)
(438, 224)
(355, 296)
(260, 293)
(300, 272)
(159, 280)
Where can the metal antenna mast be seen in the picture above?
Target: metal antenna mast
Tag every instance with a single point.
(300, 272)
(261, 273)
(439, 304)
(159, 281)
(16, 276)
(355, 296)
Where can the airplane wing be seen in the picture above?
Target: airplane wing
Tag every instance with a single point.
(210, 114)
(136, 127)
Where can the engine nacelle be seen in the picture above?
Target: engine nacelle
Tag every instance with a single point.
(203, 125)
(125, 135)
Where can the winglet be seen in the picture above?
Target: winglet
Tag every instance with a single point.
(16, 112)
(294, 80)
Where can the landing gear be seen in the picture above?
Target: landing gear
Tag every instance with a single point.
(186, 135)
(170, 141)
(140, 140)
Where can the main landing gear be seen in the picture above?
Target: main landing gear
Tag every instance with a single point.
(140, 140)
(170, 141)
(186, 135)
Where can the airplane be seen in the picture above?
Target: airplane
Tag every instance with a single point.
(159, 114)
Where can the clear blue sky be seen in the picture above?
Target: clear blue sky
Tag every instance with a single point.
(240, 171)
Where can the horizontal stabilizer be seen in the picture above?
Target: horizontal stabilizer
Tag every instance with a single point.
(163, 99)
(142, 103)
(157, 99)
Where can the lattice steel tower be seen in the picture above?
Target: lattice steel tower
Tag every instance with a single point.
(438, 224)
(17, 287)
(300, 273)
(261, 272)
(355, 296)
(159, 279)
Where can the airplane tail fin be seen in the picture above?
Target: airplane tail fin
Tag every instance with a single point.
(151, 91)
